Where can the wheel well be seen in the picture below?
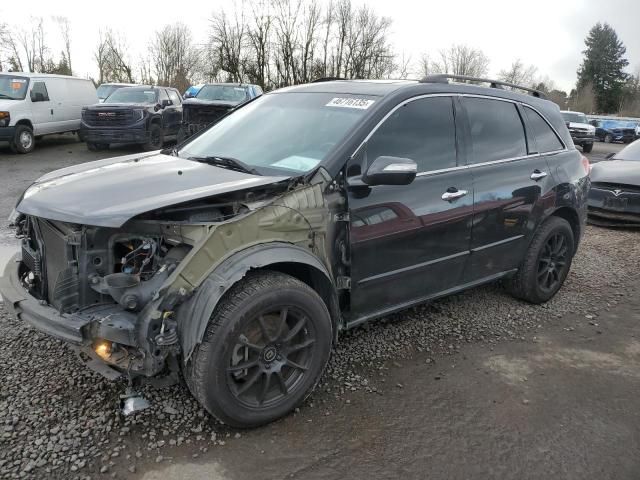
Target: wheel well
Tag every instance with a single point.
(318, 281)
(572, 217)
(25, 122)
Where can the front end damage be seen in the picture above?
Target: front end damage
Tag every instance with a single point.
(126, 298)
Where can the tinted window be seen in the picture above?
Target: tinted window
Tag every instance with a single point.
(174, 97)
(496, 129)
(39, 88)
(132, 95)
(545, 138)
(423, 130)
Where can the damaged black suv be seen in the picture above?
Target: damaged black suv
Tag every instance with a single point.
(235, 259)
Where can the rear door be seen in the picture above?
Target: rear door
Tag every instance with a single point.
(410, 242)
(512, 184)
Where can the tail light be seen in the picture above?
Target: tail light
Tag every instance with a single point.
(586, 165)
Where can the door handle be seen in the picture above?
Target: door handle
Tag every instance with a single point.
(538, 175)
(453, 194)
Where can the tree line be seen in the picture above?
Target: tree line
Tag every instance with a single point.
(276, 43)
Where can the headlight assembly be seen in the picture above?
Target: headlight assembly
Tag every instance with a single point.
(5, 119)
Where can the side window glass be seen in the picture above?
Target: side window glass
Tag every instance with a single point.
(422, 130)
(497, 132)
(545, 138)
(163, 95)
(39, 92)
(175, 98)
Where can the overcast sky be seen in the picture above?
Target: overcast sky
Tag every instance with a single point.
(546, 33)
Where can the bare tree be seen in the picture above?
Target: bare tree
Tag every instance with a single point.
(173, 55)
(259, 34)
(227, 42)
(112, 60)
(462, 60)
(9, 52)
(519, 74)
(65, 32)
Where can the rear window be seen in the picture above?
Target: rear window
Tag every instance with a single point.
(545, 138)
(497, 132)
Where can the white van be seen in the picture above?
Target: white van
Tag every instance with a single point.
(36, 104)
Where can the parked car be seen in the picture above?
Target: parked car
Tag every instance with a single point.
(235, 259)
(213, 101)
(581, 132)
(613, 131)
(35, 104)
(145, 115)
(614, 199)
(106, 89)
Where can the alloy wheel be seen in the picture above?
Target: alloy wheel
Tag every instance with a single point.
(552, 262)
(271, 357)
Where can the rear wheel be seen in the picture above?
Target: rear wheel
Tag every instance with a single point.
(23, 140)
(546, 264)
(587, 147)
(265, 348)
(608, 138)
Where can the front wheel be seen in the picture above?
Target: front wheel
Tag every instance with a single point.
(608, 138)
(546, 263)
(23, 140)
(265, 348)
(155, 141)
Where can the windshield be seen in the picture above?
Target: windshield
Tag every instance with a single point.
(574, 117)
(292, 132)
(13, 88)
(104, 91)
(630, 152)
(132, 95)
(227, 93)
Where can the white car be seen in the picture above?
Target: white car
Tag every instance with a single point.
(37, 104)
(582, 133)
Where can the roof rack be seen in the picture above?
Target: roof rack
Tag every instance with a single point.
(445, 77)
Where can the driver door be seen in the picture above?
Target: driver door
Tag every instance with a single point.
(408, 242)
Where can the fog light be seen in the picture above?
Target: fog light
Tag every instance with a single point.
(103, 348)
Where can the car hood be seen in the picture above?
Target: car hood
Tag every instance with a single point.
(616, 171)
(108, 193)
(213, 103)
(584, 126)
(6, 105)
(107, 106)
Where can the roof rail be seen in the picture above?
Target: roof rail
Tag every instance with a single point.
(445, 77)
(326, 79)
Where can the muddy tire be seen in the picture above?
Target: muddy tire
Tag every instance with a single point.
(264, 350)
(587, 147)
(23, 140)
(546, 264)
(156, 140)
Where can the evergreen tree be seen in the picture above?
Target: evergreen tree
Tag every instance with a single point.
(602, 67)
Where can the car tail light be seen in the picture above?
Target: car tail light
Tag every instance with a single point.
(586, 165)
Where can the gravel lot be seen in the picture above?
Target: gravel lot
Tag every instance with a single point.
(59, 420)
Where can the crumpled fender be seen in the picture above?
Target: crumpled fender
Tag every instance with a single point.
(193, 316)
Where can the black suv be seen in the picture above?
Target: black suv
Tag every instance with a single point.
(145, 115)
(235, 259)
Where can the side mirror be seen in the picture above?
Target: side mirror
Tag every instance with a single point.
(166, 103)
(390, 171)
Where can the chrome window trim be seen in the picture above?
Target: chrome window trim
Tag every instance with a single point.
(471, 165)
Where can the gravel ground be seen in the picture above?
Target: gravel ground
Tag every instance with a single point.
(59, 420)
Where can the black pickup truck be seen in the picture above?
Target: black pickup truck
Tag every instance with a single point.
(145, 115)
(211, 103)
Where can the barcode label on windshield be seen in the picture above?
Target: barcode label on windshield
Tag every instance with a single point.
(360, 103)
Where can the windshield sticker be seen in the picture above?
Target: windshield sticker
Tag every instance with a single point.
(360, 103)
(17, 83)
(297, 162)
